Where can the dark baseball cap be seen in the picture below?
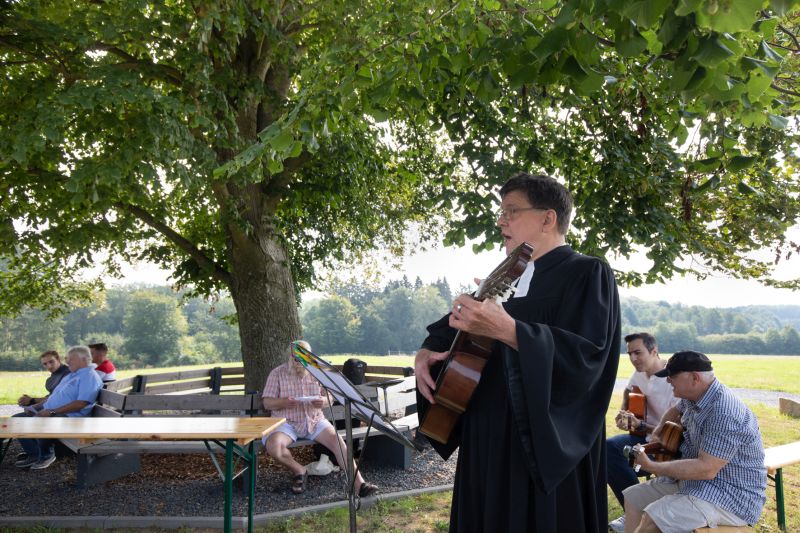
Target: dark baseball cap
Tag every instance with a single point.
(686, 361)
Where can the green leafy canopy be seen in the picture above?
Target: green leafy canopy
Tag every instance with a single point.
(217, 137)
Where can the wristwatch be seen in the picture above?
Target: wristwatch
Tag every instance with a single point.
(53, 412)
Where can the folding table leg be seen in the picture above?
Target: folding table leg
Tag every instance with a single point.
(779, 499)
(228, 485)
(251, 494)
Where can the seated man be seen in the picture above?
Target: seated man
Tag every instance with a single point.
(105, 368)
(292, 393)
(74, 396)
(720, 479)
(643, 353)
(52, 362)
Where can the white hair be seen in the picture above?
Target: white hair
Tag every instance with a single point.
(81, 351)
(707, 376)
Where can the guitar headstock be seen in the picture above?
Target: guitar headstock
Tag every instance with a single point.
(499, 284)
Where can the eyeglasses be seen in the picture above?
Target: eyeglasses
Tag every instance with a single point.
(509, 213)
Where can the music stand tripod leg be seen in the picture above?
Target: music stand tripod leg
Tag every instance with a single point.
(350, 469)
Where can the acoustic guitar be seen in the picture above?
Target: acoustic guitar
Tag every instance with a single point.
(461, 370)
(637, 406)
(664, 449)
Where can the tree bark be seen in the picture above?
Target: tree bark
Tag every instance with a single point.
(263, 292)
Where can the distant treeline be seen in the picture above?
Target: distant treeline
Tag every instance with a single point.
(358, 319)
(155, 326)
(143, 326)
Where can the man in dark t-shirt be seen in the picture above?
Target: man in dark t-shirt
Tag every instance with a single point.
(52, 362)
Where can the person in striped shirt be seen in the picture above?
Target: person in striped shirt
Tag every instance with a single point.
(720, 478)
(292, 393)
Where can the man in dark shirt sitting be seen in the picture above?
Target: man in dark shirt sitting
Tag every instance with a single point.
(52, 362)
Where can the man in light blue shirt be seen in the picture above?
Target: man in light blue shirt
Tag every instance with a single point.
(74, 396)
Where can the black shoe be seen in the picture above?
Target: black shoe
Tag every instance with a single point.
(299, 483)
(21, 456)
(367, 489)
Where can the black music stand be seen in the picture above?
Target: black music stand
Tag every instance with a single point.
(355, 405)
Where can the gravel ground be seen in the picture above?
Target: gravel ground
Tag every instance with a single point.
(188, 485)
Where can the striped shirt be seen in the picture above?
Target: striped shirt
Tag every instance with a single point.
(282, 382)
(720, 424)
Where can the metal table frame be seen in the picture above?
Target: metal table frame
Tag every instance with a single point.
(235, 448)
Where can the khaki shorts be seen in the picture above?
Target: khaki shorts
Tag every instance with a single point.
(677, 513)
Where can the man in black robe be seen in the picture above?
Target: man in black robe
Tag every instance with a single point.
(532, 441)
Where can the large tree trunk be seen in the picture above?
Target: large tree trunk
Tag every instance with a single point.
(264, 295)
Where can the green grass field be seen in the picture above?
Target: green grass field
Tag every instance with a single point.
(767, 372)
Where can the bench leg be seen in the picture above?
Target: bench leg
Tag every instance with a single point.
(5, 444)
(779, 499)
(94, 469)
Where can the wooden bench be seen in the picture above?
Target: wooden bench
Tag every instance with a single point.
(775, 459)
(165, 395)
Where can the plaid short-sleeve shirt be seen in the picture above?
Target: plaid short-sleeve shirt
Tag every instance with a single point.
(284, 383)
(721, 425)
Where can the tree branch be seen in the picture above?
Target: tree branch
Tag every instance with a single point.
(784, 91)
(205, 263)
(791, 35)
(164, 72)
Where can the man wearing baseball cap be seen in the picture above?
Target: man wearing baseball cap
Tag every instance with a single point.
(720, 478)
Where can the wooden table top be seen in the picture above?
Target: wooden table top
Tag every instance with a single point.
(242, 429)
(780, 456)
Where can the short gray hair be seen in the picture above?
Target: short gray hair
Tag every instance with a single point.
(81, 351)
(707, 376)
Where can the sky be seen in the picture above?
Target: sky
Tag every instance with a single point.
(461, 265)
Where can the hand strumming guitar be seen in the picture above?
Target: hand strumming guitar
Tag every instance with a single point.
(423, 362)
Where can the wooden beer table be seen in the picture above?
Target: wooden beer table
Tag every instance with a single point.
(238, 433)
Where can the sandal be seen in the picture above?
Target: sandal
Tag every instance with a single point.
(299, 483)
(367, 489)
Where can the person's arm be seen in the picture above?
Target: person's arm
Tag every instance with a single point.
(279, 403)
(704, 467)
(25, 400)
(71, 407)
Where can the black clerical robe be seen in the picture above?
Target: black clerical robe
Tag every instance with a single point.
(532, 442)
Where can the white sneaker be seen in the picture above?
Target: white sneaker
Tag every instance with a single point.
(26, 463)
(618, 524)
(44, 463)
